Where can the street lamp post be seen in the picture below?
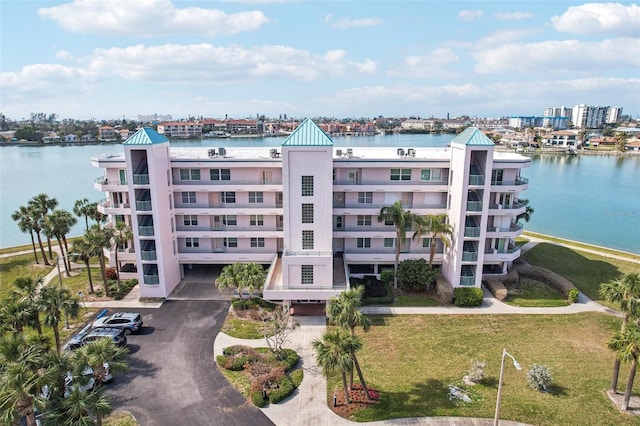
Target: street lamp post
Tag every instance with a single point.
(66, 314)
(517, 366)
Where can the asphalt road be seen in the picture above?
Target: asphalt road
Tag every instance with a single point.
(172, 377)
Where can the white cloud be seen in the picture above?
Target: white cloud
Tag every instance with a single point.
(426, 66)
(64, 55)
(469, 15)
(43, 81)
(512, 16)
(148, 18)
(506, 36)
(571, 56)
(346, 23)
(599, 18)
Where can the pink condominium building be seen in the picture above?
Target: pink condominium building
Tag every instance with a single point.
(308, 210)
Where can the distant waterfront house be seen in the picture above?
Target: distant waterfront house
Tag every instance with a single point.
(309, 210)
(633, 145)
(245, 127)
(561, 138)
(180, 129)
(105, 133)
(71, 138)
(88, 137)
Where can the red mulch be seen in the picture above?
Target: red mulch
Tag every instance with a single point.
(357, 398)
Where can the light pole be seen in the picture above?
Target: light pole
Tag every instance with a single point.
(517, 366)
(66, 314)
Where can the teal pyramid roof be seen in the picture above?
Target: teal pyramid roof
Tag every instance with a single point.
(472, 136)
(145, 136)
(308, 134)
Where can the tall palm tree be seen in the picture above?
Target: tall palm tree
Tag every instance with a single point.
(331, 356)
(53, 302)
(122, 234)
(44, 204)
(25, 224)
(83, 251)
(15, 315)
(625, 292)
(59, 224)
(627, 346)
(353, 344)
(528, 211)
(343, 311)
(98, 239)
(402, 220)
(37, 217)
(82, 208)
(253, 277)
(439, 229)
(98, 353)
(95, 214)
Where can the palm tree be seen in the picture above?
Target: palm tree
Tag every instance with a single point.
(402, 220)
(53, 302)
(98, 239)
(437, 226)
(621, 141)
(528, 211)
(25, 224)
(26, 290)
(627, 346)
(36, 222)
(15, 315)
(122, 234)
(59, 224)
(82, 208)
(625, 292)
(241, 276)
(83, 251)
(95, 214)
(353, 344)
(343, 311)
(332, 356)
(98, 353)
(43, 203)
(78, 407)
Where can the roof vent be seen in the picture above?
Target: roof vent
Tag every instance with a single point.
(400, 152)
(338, 153)
(411, 152)
(222, 152)
(349, 152)
(274, 153)
(212, 152)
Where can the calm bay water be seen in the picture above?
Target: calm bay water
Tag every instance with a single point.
(595, 199)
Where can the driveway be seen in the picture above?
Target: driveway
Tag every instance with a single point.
(172, 377)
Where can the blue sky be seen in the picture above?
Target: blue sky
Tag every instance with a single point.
(112, 58)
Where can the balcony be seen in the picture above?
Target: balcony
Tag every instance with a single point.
(143, 206)
(145, 231)
(474, 206)
(153, 279)
(476, 180)
(103, 184)
(472, 231)
(513, 230)
(519, 181)
(141, 179)
(148, 255)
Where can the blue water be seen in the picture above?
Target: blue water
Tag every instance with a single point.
(595, 199)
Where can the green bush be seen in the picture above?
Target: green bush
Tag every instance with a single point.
(265, 304)
(386, 276)
(573, 295)
(416, 275)
(221, 360)
(384, 300)
(291, 359)
(257, 399)
(467, 296)
(286, 388)
(297, 376)
(242, 304)
(539, 377)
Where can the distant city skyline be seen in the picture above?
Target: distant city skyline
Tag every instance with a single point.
(108, 59)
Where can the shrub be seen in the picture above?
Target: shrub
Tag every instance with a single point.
(221, 360)
(297, 376)
(242, 304)
(290, 360)
(415, 275)
(111, 273)
(386, 276)
(539, 377)
(257, 399)
(286, 388)
(476, 372)
(573, 295)
(385, 299)
(468, 296)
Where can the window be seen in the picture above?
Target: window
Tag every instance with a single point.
(364, 220)
(231, 242)
(119, 218)
(306, 274)
(189, 174)
(339, 222)
(307, 240)
(190, 220)
(256, 220)
(364, 243)
(228, 197)
(188, 197)
(256, 197)
(389, 222)
(257, 242)
(192, 242)
(307, 213)
(400, 174)
(426, 242)
(388, 242)
(365, 197)
(307, 186)
(431, 174)
(230, 220)
(220, 174)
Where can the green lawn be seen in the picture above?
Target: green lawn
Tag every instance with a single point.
(587, 271)
(535, 294)
(581, 245)
(241, 328)
(412, 360)
(20, 266)
(415, 299)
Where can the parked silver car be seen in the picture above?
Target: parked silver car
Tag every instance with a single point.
(130, 322)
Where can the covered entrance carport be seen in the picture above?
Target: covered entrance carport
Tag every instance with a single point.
(198, 283)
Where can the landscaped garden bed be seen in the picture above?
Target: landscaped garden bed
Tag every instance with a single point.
(246, 318)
